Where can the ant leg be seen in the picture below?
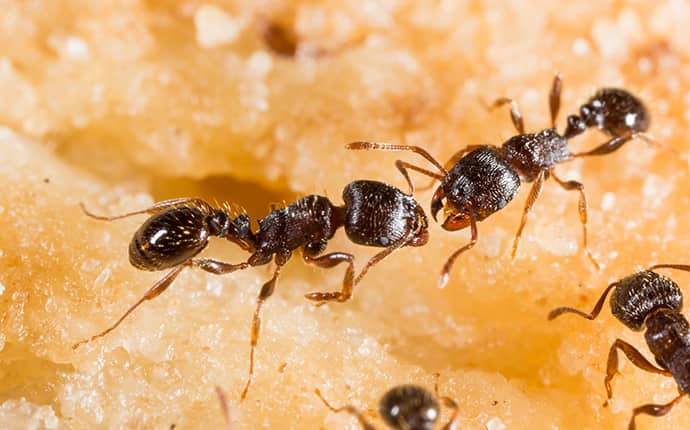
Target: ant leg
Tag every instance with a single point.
(207, 264)
(590, 316)
(634, 356)
(449, 403)
(555, 98)
(349, 409)
(452, 161)
(223, 400)
(407, 237)
(158, 207)
(653, 410)
(390, 147)
(515, 114)
(153, 292)
(582, 210)
(445, 271)
(331, 260)
(649, 139)
(533, 194)
(404, 165)
(607, 147)
(217, 267)
(670, 266)
(266, 292)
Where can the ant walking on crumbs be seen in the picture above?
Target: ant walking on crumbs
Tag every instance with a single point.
(374, 214)
(654, 301)
(405, 407)
(482, 179)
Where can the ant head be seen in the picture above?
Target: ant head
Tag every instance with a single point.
(409, 407)
(638, 295)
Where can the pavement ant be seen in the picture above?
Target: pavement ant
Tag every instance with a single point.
(405, 407)
(479, 180)
(374, 214)
(647, 300)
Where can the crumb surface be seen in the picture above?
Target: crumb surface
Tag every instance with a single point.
(120, 104)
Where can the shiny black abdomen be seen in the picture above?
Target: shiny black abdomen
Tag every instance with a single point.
(637, 295)
(482, 182)
(409, 407)
(168, 239)
(533, 152)
(377, 214)
(616, 111)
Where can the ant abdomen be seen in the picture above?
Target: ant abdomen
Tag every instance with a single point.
(377, 214)
(169, 238)
(409, 407)
(482, 182)
(615, 111)
(637, 295)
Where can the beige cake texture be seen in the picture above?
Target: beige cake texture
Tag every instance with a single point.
(119, 104)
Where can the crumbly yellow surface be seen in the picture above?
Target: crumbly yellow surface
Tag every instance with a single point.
(118, 104)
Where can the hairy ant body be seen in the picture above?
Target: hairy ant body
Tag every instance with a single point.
(374, 214)
(405, 407)
(480, 180)
(648, 300)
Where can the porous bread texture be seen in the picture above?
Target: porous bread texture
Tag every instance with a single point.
(121, 104)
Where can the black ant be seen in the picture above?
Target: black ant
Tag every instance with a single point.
(647, 299)
(405, 407)
(374, 214)
(482, 179)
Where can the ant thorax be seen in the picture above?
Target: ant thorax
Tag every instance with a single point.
(309, 219)
(533, 152)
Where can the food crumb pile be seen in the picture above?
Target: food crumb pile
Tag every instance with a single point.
(118, 105)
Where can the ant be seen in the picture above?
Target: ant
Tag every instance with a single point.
(374, 214)
(404, 407)
(480, 180)
(654, 301)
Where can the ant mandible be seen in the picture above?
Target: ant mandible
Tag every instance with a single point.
(480, 180)
(374, 214)
(647, 299)
(404, 407)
